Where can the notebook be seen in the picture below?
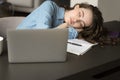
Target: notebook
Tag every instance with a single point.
(42, 45)
(79, 46)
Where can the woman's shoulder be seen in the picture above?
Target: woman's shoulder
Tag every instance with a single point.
(49, 3)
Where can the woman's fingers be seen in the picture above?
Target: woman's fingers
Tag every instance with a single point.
(64, 25)
(79, 30)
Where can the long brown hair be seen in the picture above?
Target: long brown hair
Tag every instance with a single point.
(93, 32)
(96, 32)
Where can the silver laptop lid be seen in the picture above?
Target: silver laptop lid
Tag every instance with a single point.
(43, 45)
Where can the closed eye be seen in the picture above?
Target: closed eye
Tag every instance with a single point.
(82, 23)
(82, 13)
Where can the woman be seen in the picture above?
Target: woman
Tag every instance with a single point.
(83, 20)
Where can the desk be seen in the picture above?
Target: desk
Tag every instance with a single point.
(94, 58)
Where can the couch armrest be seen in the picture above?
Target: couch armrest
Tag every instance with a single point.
(8, 23)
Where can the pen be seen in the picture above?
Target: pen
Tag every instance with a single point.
(74, 44)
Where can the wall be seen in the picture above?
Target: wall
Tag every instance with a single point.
(93, 2)
(110, 9)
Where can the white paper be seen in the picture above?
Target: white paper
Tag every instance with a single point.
(77, 49)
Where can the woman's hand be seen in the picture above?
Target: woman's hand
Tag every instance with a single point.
(64, 25)
(79, 30)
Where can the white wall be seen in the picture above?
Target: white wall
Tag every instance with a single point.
(93, 2)
(110, 9)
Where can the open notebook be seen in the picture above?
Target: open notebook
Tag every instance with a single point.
(78, 46)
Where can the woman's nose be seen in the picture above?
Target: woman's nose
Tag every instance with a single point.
(77, 20)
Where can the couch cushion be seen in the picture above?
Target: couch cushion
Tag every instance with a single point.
(8, 23)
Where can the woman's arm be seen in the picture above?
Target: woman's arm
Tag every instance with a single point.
(63, 25)
(40, 18)
(73, 33)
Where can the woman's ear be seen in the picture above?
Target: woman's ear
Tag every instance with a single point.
(76, 6)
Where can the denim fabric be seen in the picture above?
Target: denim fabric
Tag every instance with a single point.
(47, 15)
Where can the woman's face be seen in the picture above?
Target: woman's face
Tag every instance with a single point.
(79, 17)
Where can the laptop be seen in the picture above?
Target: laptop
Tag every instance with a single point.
(39, 45)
